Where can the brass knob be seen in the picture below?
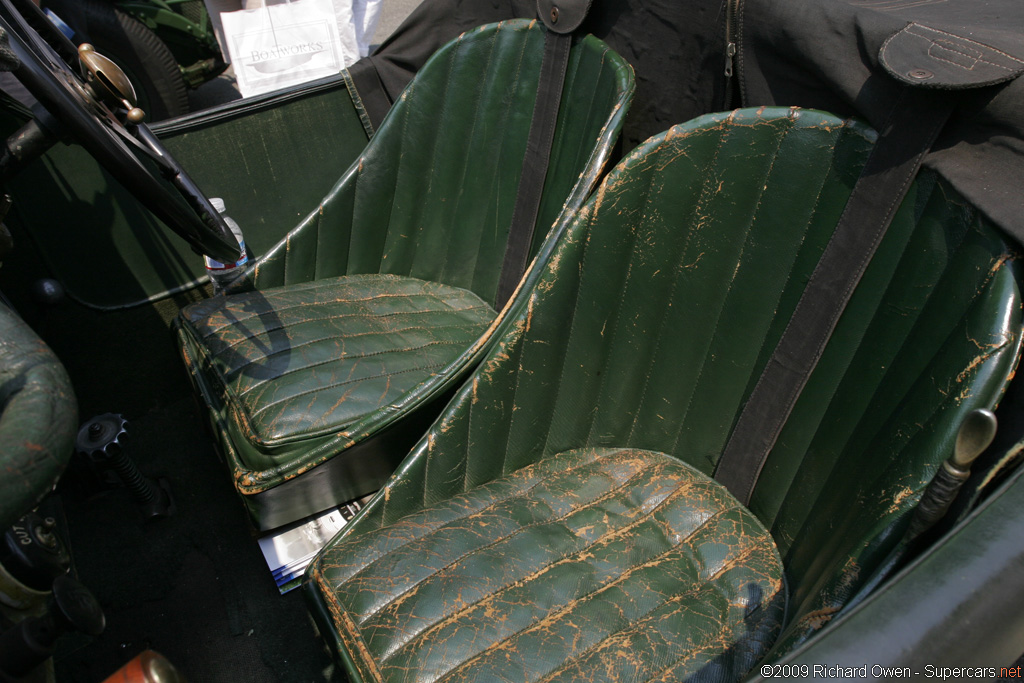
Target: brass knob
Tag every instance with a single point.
(107, 75)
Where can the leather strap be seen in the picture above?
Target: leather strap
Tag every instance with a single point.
(913, 124)
(553, 66)
(369, 97)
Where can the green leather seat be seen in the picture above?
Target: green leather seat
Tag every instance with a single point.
(38, 418)
(557, 523)
(364, 318)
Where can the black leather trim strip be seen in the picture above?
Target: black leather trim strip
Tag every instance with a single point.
(535, 163)
(912, 126)
(368, 89)
(357, 102)
(241, 107)
(563, 16)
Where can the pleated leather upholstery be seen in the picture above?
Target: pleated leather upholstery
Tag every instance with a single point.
(310, 359)
(428, 201)
(432, 195)
(659, 309)
(594, 564)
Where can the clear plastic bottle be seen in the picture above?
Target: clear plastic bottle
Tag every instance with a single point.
(221, 274)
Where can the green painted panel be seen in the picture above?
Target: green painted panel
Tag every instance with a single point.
(271, 161)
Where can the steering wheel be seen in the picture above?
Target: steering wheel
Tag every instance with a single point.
(99, 113)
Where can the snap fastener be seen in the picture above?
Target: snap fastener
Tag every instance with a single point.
(920, 74)
(554, 15)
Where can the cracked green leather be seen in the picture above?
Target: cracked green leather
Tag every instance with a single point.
(432, 194)
(595, 564)
(429, 200)
(659, 308)
(38, 418)
(309, 360)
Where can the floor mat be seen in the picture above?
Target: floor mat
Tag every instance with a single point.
(194, 586)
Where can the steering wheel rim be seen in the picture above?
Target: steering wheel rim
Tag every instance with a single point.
(117, 147)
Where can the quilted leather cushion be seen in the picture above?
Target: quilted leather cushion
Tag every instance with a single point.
(306, 360)
(591, 565)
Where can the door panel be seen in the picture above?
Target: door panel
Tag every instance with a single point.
(270, 158)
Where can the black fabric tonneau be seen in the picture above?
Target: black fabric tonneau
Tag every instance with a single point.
(825, 55)
(822, 54)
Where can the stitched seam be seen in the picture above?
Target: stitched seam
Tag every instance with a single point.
(507, 225)
(400, 155)
(343, 359)
(497, 167)
(347, 629)
(965, 40)
(813, 214)
(591, 216)
(682, 487)
(843, 131)
(240, 413)
(973, 58)
(634, 626)
(519, 347)
(301, 304)
(556, 143)
(521, 341)
(442, 117)
(349, 381)
(705, 193)
(517, 163)
(468, 149)
(780, 138)
(750, 476)
(584, 153)
(715, 587)
(699, 210)
(610, 346)
(496, 502)
(891, 281)
(595, 591)
(980, 289)
(611, 493)
(336, 337)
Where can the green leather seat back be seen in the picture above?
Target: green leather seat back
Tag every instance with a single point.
(432, 195)
(658, 311)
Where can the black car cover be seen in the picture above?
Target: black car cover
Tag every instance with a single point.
(822, 54)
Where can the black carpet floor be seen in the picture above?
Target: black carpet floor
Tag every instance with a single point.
(194, 587)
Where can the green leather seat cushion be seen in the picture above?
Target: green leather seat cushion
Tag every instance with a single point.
(293, 363)
(592, 564)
